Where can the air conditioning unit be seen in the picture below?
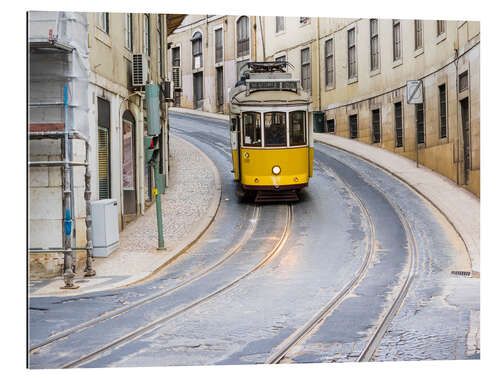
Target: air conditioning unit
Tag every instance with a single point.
(166, 90)
(139, 70)
(176, 77)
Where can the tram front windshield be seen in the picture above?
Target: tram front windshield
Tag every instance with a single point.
(275, 129)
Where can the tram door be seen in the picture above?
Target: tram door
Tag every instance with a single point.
(464, 106)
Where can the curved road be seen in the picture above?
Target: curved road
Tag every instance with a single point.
(359, 269)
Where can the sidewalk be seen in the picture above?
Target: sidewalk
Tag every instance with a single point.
(458, 205)
(188, 206)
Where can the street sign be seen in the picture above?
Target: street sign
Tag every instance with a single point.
(414, 92)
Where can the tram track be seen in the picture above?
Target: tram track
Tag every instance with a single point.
(117, 312)
(145, 329)
(299, 335)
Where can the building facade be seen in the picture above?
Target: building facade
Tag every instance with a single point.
(356, 72)
(112, 117)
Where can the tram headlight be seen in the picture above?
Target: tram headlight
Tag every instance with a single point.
(276, 170)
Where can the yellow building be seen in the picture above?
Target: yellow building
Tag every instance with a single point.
(356, 72)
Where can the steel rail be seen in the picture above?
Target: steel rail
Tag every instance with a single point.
(319, 317)
(282, 350)
(114, 313)
(380, 331)
(139, 332)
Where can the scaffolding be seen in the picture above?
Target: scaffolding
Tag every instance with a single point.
(58, 109)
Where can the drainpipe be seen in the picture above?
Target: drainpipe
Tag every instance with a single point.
(262, 39)
(69, 275)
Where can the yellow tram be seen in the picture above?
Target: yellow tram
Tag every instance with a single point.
(271, 133)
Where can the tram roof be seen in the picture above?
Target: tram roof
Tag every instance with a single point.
(266, 97)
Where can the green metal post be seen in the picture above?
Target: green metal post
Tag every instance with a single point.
(159, 217)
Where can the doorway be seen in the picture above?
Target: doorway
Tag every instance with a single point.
(198, 90)
(220, 90)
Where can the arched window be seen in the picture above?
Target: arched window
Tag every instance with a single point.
(242, 33)
(196, 41)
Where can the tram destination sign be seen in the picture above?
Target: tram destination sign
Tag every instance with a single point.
(276, 85)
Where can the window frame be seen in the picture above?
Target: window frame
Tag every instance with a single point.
(129, 31)
(443, 103)
(103, 23)
(374, 51)
(289, 131)
(418, 35)
(197, 41)
(147, 34)
(396, 128)
(396, 41)
(420, 123)
(352, 66)
(277, 29)
(306, 65)
(243, 132)
(285, 124)
(329, 60)
(376, 139)
(241, 42)
(220, 48)
(159, 29)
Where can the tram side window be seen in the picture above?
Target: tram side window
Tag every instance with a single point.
(297, 128)
(252, 129)
(275, 129)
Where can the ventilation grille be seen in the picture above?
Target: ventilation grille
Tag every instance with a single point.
(103, 153)
(139, 70)
(461, 273)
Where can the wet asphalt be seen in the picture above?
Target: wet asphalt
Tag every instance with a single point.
(349, 211)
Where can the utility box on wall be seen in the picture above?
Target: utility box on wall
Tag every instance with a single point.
(105, 227)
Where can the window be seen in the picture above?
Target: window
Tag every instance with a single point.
(440, 27)
(104, 148)
(396, 40)
(329, 63)
(297, 128)
(275, 129)
(176, 56)
(376, 126)
(353, 126)
(160, 47)
(442, 111)
(147, 36)
(218, 46)
(305, 72)
(398, 117)
(128, 31)
(251, 129)
(197, 50)
(463, 81)
(418, 34)
(243, 40)
(280, 24)
(280, 58)
(303, 20)
(420, 122)
(103, 21)
(351, 54)
(374, 53)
